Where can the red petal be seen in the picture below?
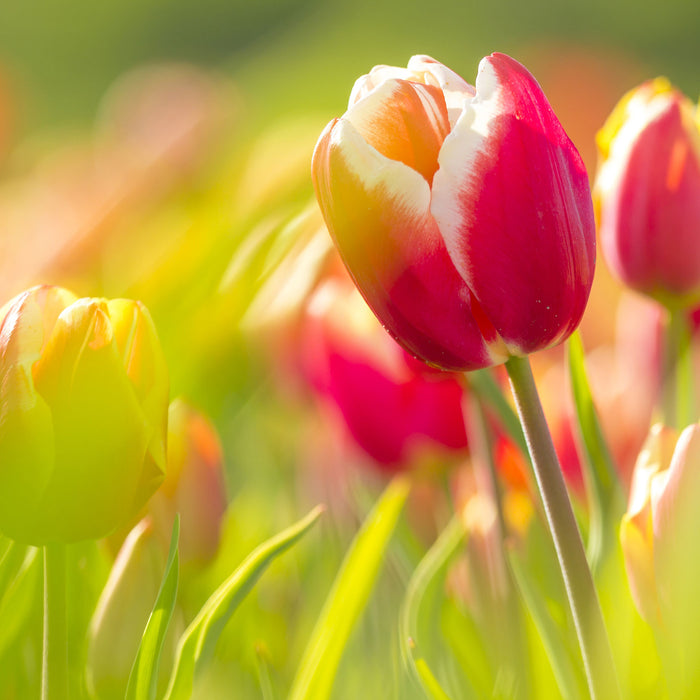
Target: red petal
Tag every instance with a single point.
(513, 202)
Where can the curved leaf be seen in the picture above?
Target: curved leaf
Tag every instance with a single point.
(429, 567)
(348, 596)
(198, 640)
(144, 673)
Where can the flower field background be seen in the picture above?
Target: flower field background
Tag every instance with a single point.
(163, 154)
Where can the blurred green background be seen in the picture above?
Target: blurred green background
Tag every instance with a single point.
(198, 245)
(291, 55)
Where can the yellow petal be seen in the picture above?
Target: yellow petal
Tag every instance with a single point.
(621, 112)
(26, 453)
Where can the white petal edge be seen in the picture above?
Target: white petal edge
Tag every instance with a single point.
(362, 114)
(421, 69)
(458, 154)
(457, 90)
(640, 113)
(406, 188)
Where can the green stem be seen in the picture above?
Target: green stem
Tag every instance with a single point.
(679, 408)
(54, 679)
(583, 600)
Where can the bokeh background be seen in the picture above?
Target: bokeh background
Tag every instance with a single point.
(160, 150)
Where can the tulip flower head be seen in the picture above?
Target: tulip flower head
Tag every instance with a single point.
(83, 415)
(648, 193)
(194, 486)
(396, 409)
(462, 213)
(659, 537)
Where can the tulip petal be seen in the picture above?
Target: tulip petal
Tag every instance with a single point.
(26, 323)
(638, 552)
(676, 520)
(100, 438)
(378, 213)
(26, 451)
(137, 342)
(512, 200)
(455, 89)
(649, 202)
(404, 121)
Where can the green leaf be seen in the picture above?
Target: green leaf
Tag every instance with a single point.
(484, 385)
(552, 639)
(143, 678)
(349, 595)
(602, 483)
(427, 679)
(428, 569)
(10, 563)
(19, 595)
(198, 640)
(262, 664)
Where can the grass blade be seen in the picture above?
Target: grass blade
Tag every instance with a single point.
(143, 678)
(348, 595)
(198, 640)
(601, 478)
(429, 567)
(555, 647)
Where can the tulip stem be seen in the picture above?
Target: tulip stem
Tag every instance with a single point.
(679, 406)
(54, 678)
(578, 581)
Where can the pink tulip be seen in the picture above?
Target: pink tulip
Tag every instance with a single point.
(395, 408)
(463, 214)
(648, 192)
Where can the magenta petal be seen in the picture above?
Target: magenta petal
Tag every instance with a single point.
(513, 203)
(391, 419)
(650, 218)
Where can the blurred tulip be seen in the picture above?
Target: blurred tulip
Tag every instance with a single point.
(122, 612)
(165, 118)
(463, 214)
(659, 542)
(194, 485)
(648, 193)
(83, 401)
(395, 408)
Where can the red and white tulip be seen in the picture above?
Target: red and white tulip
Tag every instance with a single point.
(462, 213)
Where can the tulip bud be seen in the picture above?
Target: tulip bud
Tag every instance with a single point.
(83, 400)
(122, 612)
(659, 538)
(395, 408)
(463, 214)
(194, 485)
(648, 193)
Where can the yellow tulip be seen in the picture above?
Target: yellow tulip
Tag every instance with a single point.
(83, 415)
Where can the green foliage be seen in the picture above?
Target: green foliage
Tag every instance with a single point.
(144, 673)
(349, 595)
(197, 643)
(433, 562)
(603, 486)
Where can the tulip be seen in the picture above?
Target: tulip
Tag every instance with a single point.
(659, 541)
(194, 485)
(122, 612)
(395, 408)
(462, 213)
(83, 415)
(648, 193)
